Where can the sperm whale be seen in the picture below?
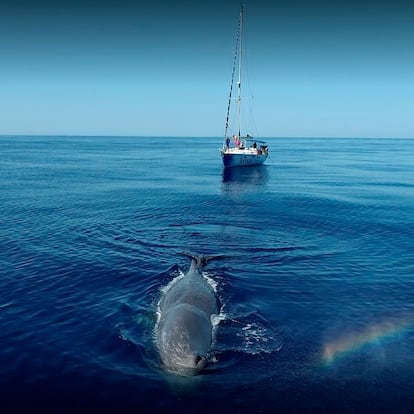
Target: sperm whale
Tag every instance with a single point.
(184, 332)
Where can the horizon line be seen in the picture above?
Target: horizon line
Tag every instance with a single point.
(200, 136)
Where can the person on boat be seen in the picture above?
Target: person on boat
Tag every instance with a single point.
(254, 145)
(227, 143)
(236, 141)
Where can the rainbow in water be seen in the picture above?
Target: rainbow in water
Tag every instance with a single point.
(353, 341)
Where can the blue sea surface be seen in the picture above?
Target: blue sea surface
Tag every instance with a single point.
(315, 282)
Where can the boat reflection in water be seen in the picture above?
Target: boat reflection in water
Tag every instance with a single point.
(244, 178)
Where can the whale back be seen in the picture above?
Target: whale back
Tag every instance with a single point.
(185, 331)
(192, 289)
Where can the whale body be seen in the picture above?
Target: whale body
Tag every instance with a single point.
(184, 332)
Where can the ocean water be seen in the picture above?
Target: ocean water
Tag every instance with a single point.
(315, 282)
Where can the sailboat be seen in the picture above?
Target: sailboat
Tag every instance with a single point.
(238, 149)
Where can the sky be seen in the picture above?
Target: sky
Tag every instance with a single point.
(162, 68)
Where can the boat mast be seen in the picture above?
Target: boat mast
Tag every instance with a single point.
(240, 66)
(236, 55)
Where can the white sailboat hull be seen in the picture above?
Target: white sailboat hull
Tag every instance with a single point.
(236, 157)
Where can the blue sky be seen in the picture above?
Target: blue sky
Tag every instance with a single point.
(314, 68)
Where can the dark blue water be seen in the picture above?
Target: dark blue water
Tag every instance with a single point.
(316, 284)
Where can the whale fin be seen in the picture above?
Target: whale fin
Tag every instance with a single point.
(201, 260)
(201, 362)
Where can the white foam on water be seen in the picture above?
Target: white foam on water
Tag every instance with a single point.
(259, 339)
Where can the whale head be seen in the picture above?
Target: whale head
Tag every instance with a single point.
(188, 365)
(184, 339)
